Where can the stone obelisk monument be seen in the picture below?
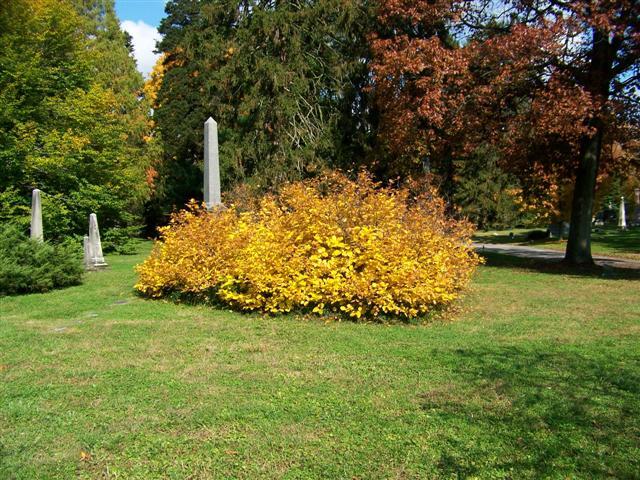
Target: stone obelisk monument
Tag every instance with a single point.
(93, 247)
(622, 217)
(211, 165)
(36, 216)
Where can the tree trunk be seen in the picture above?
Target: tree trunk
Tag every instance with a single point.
(597, 83)
(579, 244)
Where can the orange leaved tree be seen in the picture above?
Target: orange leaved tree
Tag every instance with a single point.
(546, 81)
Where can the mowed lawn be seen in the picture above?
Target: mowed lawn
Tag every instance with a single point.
(605, 241)
(537, 376)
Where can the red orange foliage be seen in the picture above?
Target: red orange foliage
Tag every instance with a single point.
(518, 85)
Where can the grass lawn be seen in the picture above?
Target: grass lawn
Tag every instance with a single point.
(538, 376)
(606, 241)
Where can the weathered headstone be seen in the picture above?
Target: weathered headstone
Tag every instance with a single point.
(36, 216)
(88, 265)
(212, 196)
(622, 217)
(95, 246)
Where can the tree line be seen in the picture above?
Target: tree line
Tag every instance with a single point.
(519, 111)
(72, 121)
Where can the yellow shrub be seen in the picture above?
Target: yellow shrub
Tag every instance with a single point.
(326, 245)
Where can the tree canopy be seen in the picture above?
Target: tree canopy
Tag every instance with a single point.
(551, 84)
(510, 107)
(284, 81)
(72, 123)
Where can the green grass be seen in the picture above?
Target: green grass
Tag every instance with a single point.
(538, 376)
(606, 241)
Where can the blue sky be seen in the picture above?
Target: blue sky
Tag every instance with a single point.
(149, 11)
(141, 19)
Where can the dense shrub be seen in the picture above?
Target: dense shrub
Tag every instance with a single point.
(323, 245)
(121, 240)
(28, 266)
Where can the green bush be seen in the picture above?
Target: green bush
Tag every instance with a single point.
(28, 266)
(121, 240)
(14, 208)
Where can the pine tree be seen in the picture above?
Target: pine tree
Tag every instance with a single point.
(284, 80)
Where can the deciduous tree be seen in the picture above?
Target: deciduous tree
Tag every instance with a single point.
(546, 81)
(71, 121)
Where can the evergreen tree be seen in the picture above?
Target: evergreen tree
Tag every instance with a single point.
(485, 193)
(284, 80)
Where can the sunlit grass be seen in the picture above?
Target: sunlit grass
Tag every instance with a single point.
(537, 376)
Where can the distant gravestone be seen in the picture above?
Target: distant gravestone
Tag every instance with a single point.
(36, 216)
(212, 196)
(559, 230)
(95, 246)
(598, 219)
(622, 217)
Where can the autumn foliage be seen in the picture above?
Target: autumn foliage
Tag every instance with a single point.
(325, 245)
(453, 74)
(550, 85)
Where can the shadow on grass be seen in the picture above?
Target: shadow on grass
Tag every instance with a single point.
(618, 241)
(209, 299)
(613, 239)
(516, 239)
(526, 413)
(500, 260)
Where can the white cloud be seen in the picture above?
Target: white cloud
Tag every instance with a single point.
(144, 43)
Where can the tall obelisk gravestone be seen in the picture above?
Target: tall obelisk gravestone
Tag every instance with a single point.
(94, 245)
(622, 217)
(36, 216)
(211, 165)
